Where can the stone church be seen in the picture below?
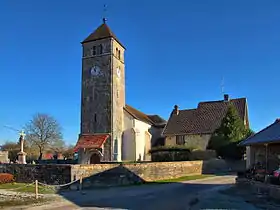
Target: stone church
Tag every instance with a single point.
(111, 130)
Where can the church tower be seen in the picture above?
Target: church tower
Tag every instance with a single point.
(103, 89)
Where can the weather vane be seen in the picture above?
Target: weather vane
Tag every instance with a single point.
(104, 13)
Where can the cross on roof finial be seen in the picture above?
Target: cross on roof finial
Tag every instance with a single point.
(22, 133)
(104, 13)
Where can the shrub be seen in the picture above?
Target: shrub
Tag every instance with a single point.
(6, 178)
(203, 154)
(172, 148)
(170, 153)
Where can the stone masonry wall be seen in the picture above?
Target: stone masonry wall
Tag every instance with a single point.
(195, 141)
(49, 174)
(114, 172)
(148, 171)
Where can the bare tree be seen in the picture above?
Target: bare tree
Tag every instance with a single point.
(43, 131)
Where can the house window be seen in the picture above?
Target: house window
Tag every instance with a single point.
(93, 50)
(116, 149)
(180, 140)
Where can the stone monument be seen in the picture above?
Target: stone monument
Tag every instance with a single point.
(21, 154)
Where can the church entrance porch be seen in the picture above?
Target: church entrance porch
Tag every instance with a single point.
(90, 148)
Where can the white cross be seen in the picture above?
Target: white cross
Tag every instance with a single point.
(22, 133)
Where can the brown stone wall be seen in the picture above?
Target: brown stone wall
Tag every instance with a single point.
(49, 174)
(148, 171)
(96, 89)
(118, 98)
(114, 172)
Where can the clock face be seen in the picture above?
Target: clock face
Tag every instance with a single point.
(95, 70)
(118, 72)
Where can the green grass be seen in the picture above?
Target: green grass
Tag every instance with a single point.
(185, 178)
(26, 188)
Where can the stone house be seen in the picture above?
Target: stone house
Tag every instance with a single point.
(264, 147)
(194, 127)
(110, 129)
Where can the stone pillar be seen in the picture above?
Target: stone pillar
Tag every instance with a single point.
(21, 154)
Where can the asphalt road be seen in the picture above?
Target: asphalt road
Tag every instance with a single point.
(163, 196)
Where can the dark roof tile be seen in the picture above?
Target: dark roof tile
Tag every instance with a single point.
(270, 134)
(205, 119)
(102, 32)
(150, 119)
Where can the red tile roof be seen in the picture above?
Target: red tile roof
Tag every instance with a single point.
(91, 141)
(203, 120)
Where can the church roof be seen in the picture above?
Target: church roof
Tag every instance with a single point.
(205, 119)
(154, 120)
(102, 32)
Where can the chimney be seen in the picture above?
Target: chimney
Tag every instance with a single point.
(226, 97)
(176, 110)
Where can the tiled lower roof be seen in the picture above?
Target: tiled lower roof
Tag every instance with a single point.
(91, 141)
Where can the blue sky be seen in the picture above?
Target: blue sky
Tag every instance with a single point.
(177, 53)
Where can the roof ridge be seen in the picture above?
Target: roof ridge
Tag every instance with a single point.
(188, 109)
(221, 100)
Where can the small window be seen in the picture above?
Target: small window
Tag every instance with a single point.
(117, 50)
(116, 149)
(95, 118)
(100, 49)
(180, 140)
(119, 54)
(93, 50)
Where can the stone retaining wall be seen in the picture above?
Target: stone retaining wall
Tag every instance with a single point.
(150, 171)
(49, 174)
(147, 171)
